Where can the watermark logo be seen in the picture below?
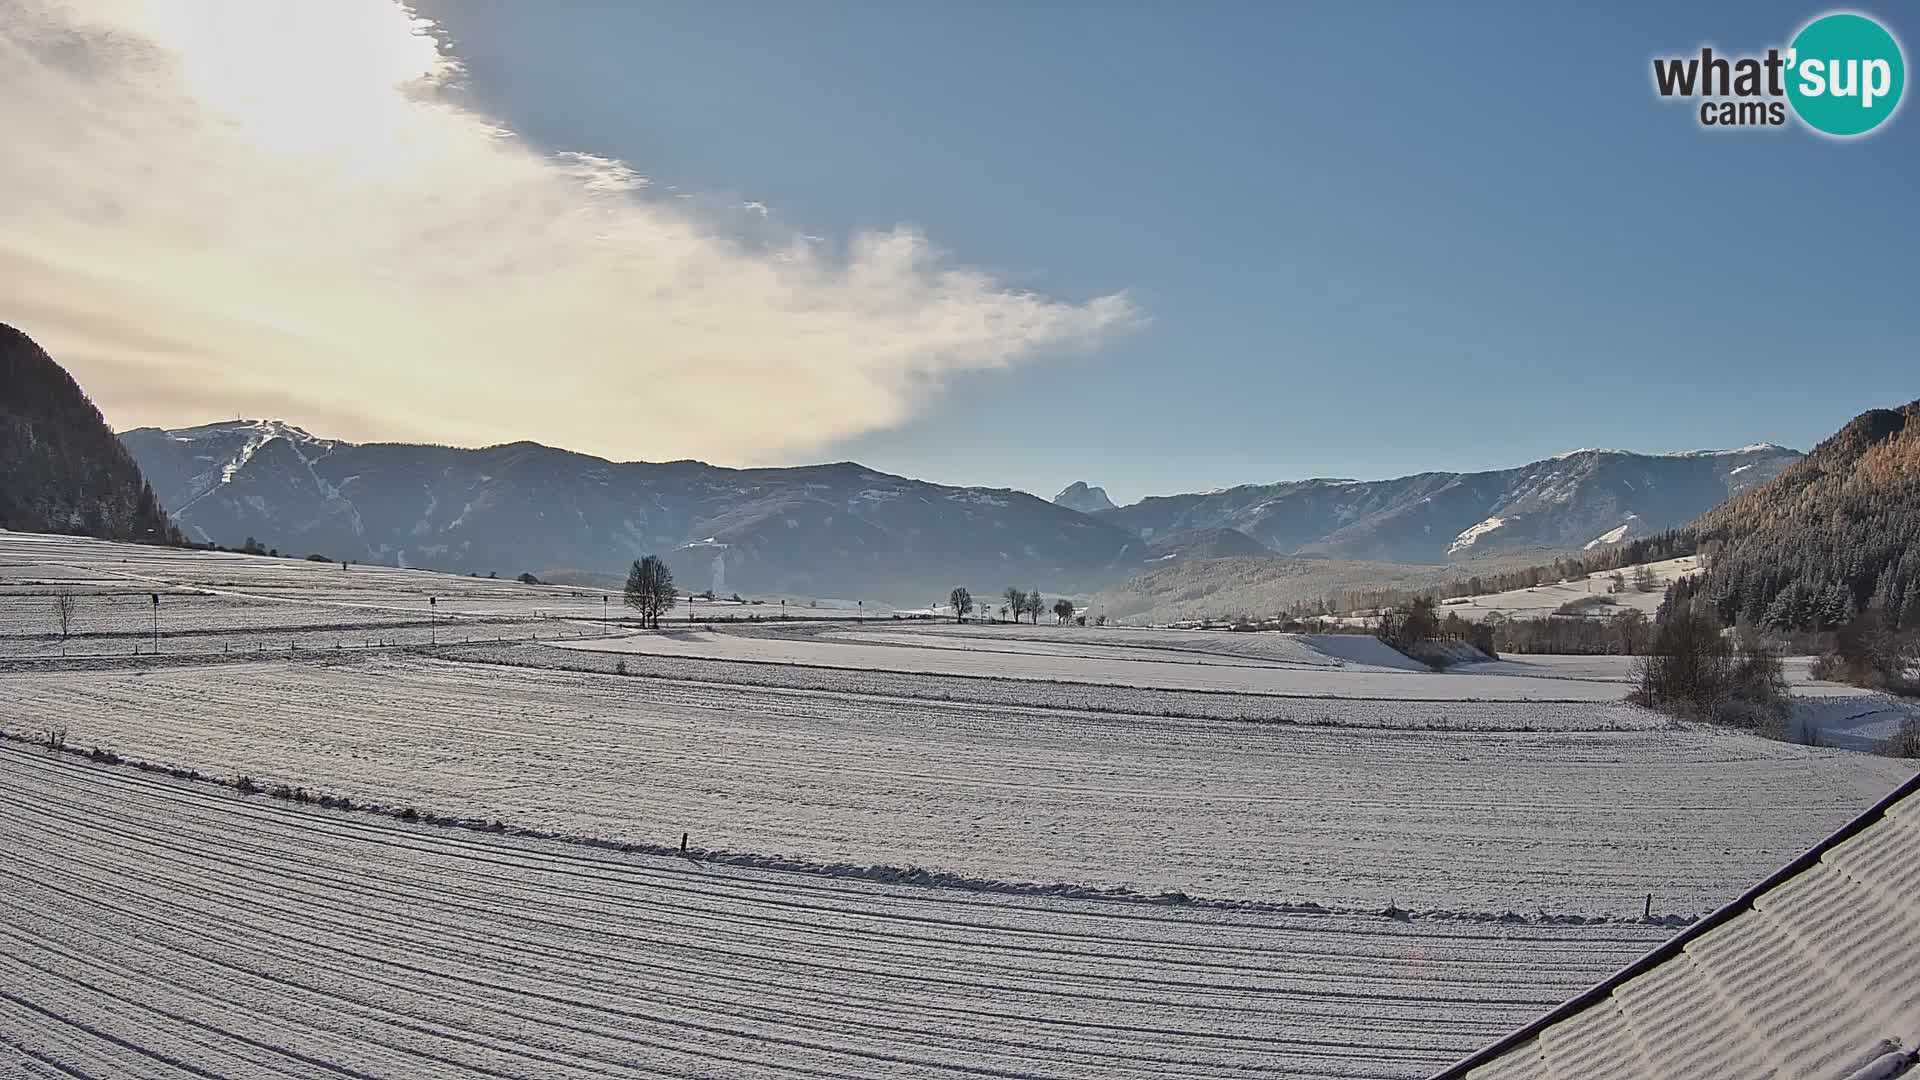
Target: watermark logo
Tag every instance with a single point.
(1842, 75)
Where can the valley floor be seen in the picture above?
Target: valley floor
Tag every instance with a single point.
(915, 850)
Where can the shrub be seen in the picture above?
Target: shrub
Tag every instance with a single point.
(1868, 651)
(1905, 742)
(245, 785)
(619, 667)
(1694, 672)
(1580, 605)
(1686, 673)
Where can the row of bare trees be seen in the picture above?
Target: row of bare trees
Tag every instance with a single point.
(1018, 602)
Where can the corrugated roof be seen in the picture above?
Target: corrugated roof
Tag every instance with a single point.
(1813, 974)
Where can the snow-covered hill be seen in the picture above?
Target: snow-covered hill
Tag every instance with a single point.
(1592, 594)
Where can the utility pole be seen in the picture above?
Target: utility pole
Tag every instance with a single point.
(433, 620)
(155, 597)
(603, 613)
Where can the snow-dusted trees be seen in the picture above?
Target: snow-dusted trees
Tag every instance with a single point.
(1063, 611)
(962, 603)
(1035, 605)
(1408, 626)
(1016, 602)
(650, 590)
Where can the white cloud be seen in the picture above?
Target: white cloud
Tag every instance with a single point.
(283, 208)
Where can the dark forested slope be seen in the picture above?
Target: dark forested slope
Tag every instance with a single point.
(1836, 534)
(61, 468)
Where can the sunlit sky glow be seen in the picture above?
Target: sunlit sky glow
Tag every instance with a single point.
(1155, 247)
(287, 209)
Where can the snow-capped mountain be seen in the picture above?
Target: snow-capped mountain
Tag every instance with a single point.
(846, 530)
(821, 530)
(1581, 499)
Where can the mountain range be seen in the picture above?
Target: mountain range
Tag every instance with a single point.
(841, 529)
(819, 530)
(1582, 499)
(847, 530)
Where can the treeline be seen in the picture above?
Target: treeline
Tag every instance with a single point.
(1625, 634)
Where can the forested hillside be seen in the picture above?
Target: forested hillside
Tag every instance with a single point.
(1835, 535)
(61, 469)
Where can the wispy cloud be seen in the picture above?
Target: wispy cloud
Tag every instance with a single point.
(285, 208)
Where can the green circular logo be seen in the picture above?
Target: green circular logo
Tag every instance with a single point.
(1845, 74)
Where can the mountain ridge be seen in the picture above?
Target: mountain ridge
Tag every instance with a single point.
(1575, 500)
(61, 468)
(1835, 535)
(833, 529)
(843, 528)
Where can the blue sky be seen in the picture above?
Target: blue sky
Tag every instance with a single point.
(1370, 240)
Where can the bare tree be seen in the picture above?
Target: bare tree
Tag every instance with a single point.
(1633, 631)
(1016, 602)
(1686, 670)
(962, 602)
(650, 590)
(1035, 605)
(63, 610)
(1063, 611)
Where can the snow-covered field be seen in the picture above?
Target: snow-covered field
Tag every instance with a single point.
(1067, 659)
(1580, 822)
(1546, 599)
(917, 850)
(155, 924)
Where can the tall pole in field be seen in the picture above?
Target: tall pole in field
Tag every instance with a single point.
(155, 597)
(433, 620)
(603, 613)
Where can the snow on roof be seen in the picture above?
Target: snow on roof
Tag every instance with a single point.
(1807, 974)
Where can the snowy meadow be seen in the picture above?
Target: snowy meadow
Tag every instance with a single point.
(910, 848)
